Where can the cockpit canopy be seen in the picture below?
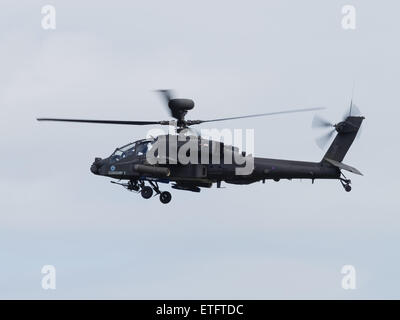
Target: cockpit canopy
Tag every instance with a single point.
(137, 148)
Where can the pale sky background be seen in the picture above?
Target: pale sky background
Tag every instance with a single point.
(273, 240)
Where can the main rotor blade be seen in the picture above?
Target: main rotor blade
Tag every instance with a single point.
(136, 123)
(353, 111)
(167, 94)
(319, 122)
(323, 140)
(257, 115)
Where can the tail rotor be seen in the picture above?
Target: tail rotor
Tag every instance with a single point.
(321, 123)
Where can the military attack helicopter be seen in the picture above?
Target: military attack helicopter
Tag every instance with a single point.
(131, 163)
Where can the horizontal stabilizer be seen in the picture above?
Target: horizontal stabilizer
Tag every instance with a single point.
(343, 166)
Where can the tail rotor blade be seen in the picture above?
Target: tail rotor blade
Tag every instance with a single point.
(323, 140)
(359, 133)
(319, 122)
(353, 111)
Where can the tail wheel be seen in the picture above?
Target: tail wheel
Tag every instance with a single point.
(146, 192)
(345, 182)
(347, 187)
(165, 197)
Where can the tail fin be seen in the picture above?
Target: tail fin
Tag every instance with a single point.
(347, 132)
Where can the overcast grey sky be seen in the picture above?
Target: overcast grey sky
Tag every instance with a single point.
(273, 240)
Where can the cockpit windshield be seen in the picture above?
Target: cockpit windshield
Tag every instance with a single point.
(138, 148)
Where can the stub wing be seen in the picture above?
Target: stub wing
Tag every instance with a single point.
(343, 166)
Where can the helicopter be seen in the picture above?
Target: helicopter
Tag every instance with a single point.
(136, 171)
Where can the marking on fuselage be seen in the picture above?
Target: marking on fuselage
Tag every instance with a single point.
(116, 173)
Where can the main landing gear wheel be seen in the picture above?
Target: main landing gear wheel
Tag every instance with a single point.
(347, 187)
(146, 192)
(165, 197)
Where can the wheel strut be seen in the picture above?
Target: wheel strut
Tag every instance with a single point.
(345, 182)
(165, 196)
(155, 187)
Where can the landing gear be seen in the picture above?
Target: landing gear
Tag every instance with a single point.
(133, 186)
(165, 197)
(146, 192)
(345, 183)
